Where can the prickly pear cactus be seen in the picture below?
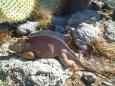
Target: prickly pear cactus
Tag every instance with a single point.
(16, 10)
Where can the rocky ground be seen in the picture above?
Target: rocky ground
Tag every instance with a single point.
(89, 31)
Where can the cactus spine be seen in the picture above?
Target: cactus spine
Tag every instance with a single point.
(45, 10)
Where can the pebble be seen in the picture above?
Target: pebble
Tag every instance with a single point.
(89, 78)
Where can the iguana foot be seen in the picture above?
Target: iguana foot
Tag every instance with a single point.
(27, 55)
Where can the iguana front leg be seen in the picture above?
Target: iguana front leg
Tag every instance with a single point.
(26, 54)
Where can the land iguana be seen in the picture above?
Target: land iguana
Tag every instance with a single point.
(48, 46)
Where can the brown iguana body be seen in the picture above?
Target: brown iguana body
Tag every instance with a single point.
(48, 46)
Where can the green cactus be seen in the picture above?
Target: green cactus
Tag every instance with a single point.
(16, 10)
(19, 10)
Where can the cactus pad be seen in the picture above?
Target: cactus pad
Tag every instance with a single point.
(19, 10)
(15, 10)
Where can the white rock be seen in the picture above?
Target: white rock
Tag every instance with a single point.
(85, 33)
(27, 27)
(40, 72)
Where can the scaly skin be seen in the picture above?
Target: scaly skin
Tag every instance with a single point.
(48, 46)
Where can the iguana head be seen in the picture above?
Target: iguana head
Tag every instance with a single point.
(17, 46)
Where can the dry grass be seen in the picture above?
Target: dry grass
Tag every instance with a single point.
(4, 35)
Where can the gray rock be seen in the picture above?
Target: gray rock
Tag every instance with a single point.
(89, 16)
(110, 31)
(96, 4)
(84, 34)
(39, 72)
(106, 4)
(27, 28)
(104, 83)
(60, 29)
(51, 33)
(113, 15)
(7, 26)
(89, 78)
(109, 4)
(60, 21)
(72, 6)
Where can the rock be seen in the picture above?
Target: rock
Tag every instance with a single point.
(60, 29)
(7, 26)
(104, 4)
(60, 21)
(96, 5)
(110, 31)
(89, 78)
(109, 4)
(17, 71)
(27, 28)
(113, 15)
(84, 34)
(106, 84)
(72, 6)
(89, 16)
(51, 33)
